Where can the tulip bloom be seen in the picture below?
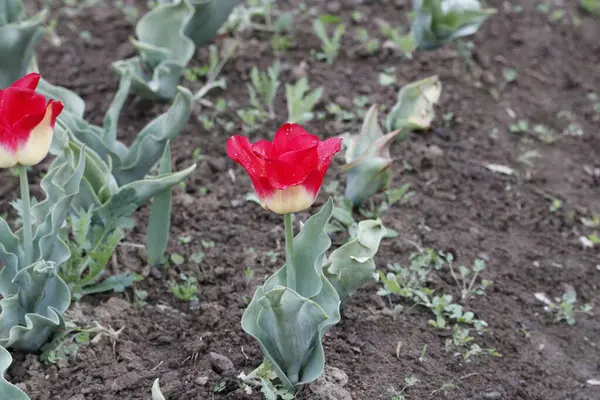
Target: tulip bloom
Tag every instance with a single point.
(287, 173)
(26, 123)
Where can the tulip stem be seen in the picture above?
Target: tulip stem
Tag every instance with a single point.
(26, 215)
(290, 272)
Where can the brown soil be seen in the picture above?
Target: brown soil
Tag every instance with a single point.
(458, 204)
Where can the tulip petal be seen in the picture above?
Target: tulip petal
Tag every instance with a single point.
(8, 158)
(327, 150)
(292, 137)
(29, 81)
(263, 148)
(22, 109)
(312, 183)
(292, 199)
(38, 144)
(283, 175)
(240, 150)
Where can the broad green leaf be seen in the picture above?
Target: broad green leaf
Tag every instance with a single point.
(368, 160)
(164, 51)
(7, 390)
(115, 283)
(159, 222)
(133, 195)
(207, 18)
(31, 315)
(18, 37)
(289, 325)
(150, 143)
(351, 266)
(310, 245)
(414, 107)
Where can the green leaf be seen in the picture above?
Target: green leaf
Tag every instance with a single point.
(437, 22)
(288, 324)
(8, 390)
(164, 51)
(156, 392)
(351, 266)
(18, 37)
(115, 283)
(368, 160)
(286, 315)
(208, 16)
(591, 6)
(414, 106)
(31, 315)
(61, 185)
(160, 216)
(150, 143)
(300, 102)
(135, 194)
(268, 390)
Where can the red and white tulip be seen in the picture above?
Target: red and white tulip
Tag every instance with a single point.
(26, 123)
(287, 173)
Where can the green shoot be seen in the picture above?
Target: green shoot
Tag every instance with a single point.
(591, 6)
(263, 88)
(466, 278)
(330, 45)
(186, 291)
(405, 43)
(214, 68)
(564, 308)
(91, 250)
(300, 102)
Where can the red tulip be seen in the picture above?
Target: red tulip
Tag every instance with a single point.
(26, 123)
(288, 172)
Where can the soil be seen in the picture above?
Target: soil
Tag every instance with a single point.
(458, 204)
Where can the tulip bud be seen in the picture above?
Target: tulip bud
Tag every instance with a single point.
(26, 123)
(368, 160)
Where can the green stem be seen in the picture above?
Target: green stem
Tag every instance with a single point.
(289, 251)
(26, 216)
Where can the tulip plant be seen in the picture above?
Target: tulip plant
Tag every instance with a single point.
(18, 36)
(116, 182)
(368, 159)
(166, 41)
(437, 22)
(295, 307)
(33, 295)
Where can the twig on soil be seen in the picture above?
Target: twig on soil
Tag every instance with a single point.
(468, 375)
(159, 364)
(243, 353)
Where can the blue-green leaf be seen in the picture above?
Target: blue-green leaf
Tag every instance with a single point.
(7, 390)
(159, 223)
(351, 266)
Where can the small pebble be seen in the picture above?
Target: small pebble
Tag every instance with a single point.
(220, 363)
